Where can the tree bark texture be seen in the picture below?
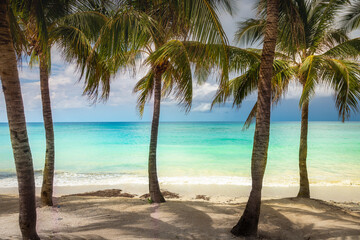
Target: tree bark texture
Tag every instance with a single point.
(17, 126)
(304, 191)
(48, 174)
(248, 223)
(154, 188)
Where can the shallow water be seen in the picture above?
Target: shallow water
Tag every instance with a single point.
(188, 153)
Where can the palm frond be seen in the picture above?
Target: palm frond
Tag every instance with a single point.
(33, 11)
(77, 47)
(251, 117)
(18, 37)
(250, 31)
(309, 77)
(283, 74)
(175, 53)
(145, 87)
(347, 49)
(351, 20)
(206, 27)
(90, 23)
(242, 59)
(128, 29)
(343, 76)
(323, 18)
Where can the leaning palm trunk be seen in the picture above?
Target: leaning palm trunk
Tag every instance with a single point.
(248, 223)
(304, 191)
(17, 125)
(154, 189)
(48, 176)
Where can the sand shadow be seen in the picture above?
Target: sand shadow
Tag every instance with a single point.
(121, 218)
(9, 204)
(172, 220)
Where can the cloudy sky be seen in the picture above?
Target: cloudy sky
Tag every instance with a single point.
(70, 106)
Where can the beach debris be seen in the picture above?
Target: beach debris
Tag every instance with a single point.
(146, 195)
(127, 195)
(105, 193)
(203, 197)
(165, 193)
(168, 194)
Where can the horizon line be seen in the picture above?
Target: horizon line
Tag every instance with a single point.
(188, 121)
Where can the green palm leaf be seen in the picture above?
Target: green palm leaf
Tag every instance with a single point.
(351, 20)
(175, 53)
(145, 87)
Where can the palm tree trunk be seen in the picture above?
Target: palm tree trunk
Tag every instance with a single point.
(154, 189)
(48, 176)
(304, 191)
(17, 126)
(248, 223)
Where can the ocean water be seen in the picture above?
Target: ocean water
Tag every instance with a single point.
(188, 153)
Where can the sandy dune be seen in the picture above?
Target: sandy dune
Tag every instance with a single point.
(84, 217)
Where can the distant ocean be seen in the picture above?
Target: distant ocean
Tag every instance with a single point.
(188, 153)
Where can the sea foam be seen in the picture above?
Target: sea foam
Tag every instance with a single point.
(87, 179)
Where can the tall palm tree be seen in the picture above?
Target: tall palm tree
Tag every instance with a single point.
(17, 125)
(316, 54)
(43, 22)
(170, 72)
(40, 14)
(160, 29)
(248, 223)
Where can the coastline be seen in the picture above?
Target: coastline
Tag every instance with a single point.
(217, 193)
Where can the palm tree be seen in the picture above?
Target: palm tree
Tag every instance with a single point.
(44, 26)
(37, 28)
(160, 29)
(248, 223)
(17, 125)
(316, 54)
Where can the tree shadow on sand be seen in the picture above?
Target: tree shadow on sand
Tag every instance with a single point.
(315, 219)
(9, 204)
(172, 220)
(120, 218)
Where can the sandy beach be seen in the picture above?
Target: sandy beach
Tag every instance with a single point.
(99, 217)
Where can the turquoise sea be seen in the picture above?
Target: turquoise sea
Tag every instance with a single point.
(188, 153)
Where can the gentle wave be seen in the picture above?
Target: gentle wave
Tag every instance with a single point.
(8, 180)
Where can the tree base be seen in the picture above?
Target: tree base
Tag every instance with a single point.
(157, 199)
(245, 228)
(303, 193)
(29, 236)
(46, 200)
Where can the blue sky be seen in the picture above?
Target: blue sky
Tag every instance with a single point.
(70, 106)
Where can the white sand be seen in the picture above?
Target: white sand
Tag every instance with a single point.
(78, 217)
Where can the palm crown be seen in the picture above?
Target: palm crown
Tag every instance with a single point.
(312, 52)
(161, 30)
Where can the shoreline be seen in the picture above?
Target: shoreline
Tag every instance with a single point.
(217, 193)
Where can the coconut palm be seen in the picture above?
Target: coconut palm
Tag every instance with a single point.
(161, 30)
(17, 124)
(36, 18)
(44, 23)
(318, 55)
(248, 223)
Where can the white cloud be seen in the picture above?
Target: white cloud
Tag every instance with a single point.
(203, 107)
(26, 73)
(205, 91)
(295, 91)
